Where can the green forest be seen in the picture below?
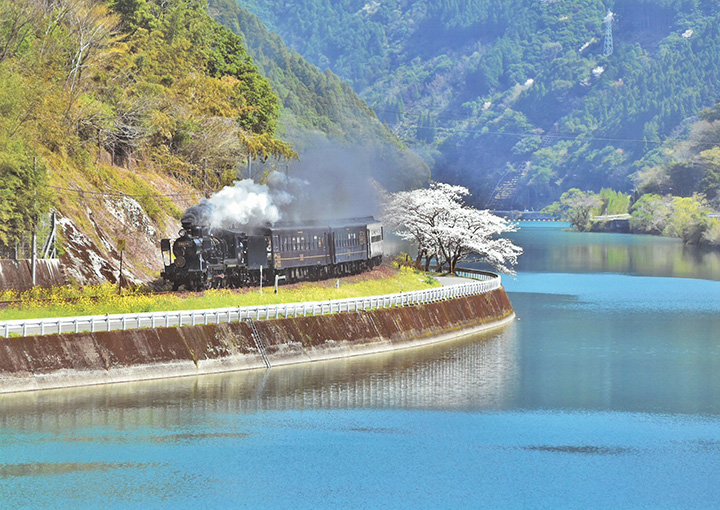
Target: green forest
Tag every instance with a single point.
(146, 84)
(157, 102)
(318, 104)
(517, 90)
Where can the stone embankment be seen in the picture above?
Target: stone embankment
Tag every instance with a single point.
(57, 361)
(17, 274)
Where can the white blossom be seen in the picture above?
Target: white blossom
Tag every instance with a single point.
(444, 228)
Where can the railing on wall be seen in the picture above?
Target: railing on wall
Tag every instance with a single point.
(484, 282)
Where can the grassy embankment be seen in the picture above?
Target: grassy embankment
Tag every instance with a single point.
(99, 300)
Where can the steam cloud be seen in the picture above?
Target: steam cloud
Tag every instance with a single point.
(243, 204)
(328, 183)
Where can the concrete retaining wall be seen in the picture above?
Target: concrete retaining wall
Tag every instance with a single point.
(56, 361)
(17, 274)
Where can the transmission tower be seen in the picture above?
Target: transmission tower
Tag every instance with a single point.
(608, 48)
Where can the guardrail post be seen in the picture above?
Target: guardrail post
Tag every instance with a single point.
(478, 283)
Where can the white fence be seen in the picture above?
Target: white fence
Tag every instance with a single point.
(484, 282)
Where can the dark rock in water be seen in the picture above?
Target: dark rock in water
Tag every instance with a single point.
(619, 223)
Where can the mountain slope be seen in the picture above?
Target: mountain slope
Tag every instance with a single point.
(120, 114)
(319, 108)
(500, 90)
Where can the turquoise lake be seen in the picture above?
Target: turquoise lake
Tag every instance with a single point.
(604, 393)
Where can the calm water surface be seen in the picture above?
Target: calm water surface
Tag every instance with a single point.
(604, 393)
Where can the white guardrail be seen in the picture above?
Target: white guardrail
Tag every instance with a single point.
(484, 282)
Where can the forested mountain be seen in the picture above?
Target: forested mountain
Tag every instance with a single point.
(114, 114)
(118, 114)
(520, 91)
(321, 110)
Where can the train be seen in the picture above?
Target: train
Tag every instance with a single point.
(204, 257)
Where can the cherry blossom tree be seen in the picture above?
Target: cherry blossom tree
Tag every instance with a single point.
(443, 227)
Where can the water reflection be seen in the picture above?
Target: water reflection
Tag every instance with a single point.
(554, 250)
(479, 372)
(63, 468)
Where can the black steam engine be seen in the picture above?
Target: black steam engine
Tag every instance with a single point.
(204, 257)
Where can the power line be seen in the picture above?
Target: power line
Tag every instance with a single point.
(118, 194)
(521, 134)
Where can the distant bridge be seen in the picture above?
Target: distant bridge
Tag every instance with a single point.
(524, 215)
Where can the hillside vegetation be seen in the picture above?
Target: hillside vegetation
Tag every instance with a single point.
(109, 109)
(518, 90)
(119, 114)
(321, 109)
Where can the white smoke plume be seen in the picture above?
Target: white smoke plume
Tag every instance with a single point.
(245, 204)
(329, 182)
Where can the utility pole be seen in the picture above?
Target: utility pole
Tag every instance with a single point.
(121, 249)
(34, 231)
(205, 190)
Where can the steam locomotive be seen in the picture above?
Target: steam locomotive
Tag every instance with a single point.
(204, 257)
